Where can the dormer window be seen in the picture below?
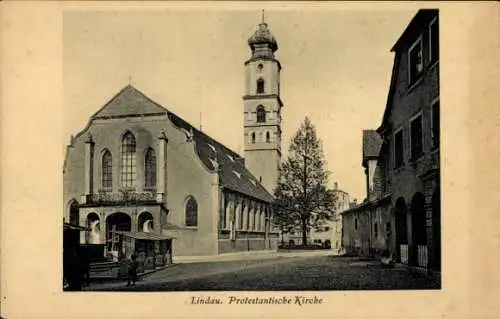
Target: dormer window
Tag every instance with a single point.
(260, 86)
(261, 114)
(212, 148)
(415, 62)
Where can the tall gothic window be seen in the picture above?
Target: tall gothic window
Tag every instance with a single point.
(128, 167)
(261, 114)
(260, 86)
(150, 169)
(253, 137)
(191, 212)
(268, 137)
(107, 171)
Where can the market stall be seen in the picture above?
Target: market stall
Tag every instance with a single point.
(151, 250)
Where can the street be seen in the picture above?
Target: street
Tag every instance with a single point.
(293, 273)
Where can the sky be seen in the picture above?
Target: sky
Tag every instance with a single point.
(336, 70)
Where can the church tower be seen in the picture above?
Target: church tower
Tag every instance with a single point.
(262, 108)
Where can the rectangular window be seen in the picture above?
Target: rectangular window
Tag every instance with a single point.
(398, 149)
(416, 137)
(375, 229)
(434, 40)
(435, 125)
(415, 62)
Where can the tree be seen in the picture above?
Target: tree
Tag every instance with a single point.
(302, 198)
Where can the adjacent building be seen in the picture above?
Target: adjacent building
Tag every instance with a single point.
(333, 229)
(402, 214)
(139, 168)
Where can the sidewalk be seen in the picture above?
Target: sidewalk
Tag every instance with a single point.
(115, 279)
(252, 255)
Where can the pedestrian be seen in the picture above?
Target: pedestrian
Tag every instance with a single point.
(132, 270)
(86, 268)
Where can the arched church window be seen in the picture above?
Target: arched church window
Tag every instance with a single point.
(150, 169)
(128, 167)
(253, 137)
(191, 213)
(107, 171)
(261, 114)
(260, 86)
(268, 137)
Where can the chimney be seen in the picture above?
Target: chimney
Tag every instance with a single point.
(260, 179)
(336, 185)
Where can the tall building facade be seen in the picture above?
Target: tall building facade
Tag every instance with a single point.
(404, 182)
(262, 108)
(138, 168)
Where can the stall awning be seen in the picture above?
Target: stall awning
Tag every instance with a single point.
(144, 235)
(75, 227)
(170, 226)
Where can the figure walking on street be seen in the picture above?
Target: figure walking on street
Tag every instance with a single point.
(132, 270)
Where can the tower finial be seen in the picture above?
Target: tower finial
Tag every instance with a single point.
(263, 20)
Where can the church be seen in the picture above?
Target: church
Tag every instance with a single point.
(139, 168)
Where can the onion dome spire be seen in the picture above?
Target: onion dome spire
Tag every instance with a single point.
(262, 42)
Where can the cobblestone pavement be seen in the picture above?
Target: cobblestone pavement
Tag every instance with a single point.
(292, 273)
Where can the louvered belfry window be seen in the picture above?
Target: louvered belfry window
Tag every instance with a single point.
(261, 114)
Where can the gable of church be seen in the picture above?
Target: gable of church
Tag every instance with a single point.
(129, 102)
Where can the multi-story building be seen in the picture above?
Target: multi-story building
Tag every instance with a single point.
(137, 167)
(407, 168)
(366, 225)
